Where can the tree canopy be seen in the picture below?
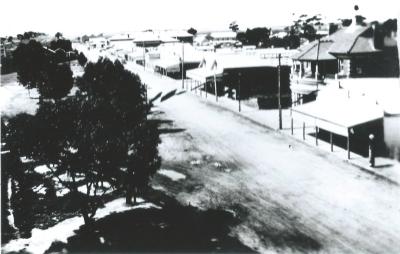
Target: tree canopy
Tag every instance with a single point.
(95, 140)
(258, 36)
(39, 68)
(192, 31)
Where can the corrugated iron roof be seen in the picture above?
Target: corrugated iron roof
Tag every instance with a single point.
(353, 39)
(313, 53)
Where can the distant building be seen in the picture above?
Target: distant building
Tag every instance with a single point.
(352, 75)
(356, 51)
(98, 42)
(180, 35)
(242, 74)
(215, 38)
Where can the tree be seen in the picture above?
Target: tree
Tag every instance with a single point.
(234, 26)
(38, 68)
(124, 98)
(333, 28)
(346, 22)
(143, 160)
(58, 35)
(192, 31)
(64, 44)
(82, 60)
(95, 140)
(85, 38)
(31, 62)
(58, 83)
(398, 52)
(304, 27)
(258, 36)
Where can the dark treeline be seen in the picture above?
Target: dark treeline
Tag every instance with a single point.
(94, 140)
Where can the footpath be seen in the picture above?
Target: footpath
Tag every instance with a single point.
(385, 169)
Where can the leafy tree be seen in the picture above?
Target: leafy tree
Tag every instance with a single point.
(125, 109)
(346, 22)
(60, 56)
(192, 31)
(100, 135)
(58, 83)
(309, 32)
(234, 26)
(143, 160)
(258, 36)
(85, 38)
(82, 60)
(38, 68)
(304, 26)
(333, 28)
(31, 35)
(7, 64)
(64, 44)
(31, 61)
(58, 35)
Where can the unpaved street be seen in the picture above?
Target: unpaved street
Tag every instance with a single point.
(289, 199)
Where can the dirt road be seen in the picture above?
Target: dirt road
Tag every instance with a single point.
(289, 199)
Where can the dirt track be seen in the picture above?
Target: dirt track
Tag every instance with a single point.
(289, 199)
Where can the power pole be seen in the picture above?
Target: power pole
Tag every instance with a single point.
(144, 56)
(240, 77)
(316, 66)
(215, 87)
(183, 61)
(279, 92)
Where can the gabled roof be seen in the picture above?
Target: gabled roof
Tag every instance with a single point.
(311, 52)
(353, 40)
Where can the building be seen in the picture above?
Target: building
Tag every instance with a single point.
(169, 58)
(240, 75)
(180, 35)
(215, 38)
(357, 51)
(98, 42)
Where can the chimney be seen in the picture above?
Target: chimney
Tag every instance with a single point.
(357, 18)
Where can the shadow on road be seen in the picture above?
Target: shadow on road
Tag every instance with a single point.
(174, 228)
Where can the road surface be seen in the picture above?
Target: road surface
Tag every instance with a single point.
(290, 197)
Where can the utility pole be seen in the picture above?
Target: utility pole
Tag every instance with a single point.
(279, 92)
(215, 87)
(144, 55)
(240, 77)
(316, 66)
(183, 60)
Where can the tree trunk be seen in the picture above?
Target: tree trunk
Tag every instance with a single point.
(129, 194)
(398, 40)
(134, 195)
(86, 217)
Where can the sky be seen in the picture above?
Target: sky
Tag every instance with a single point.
(78, 17)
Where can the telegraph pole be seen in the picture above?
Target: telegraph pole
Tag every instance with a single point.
(240, 77)
(316, 66)
(183, 60)
(144, 55)
(279, 92)
(215, 87)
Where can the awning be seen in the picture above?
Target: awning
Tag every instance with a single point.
(204, 74)
(315, 51)
(303, 89)
(339, 115)
(170, 65)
